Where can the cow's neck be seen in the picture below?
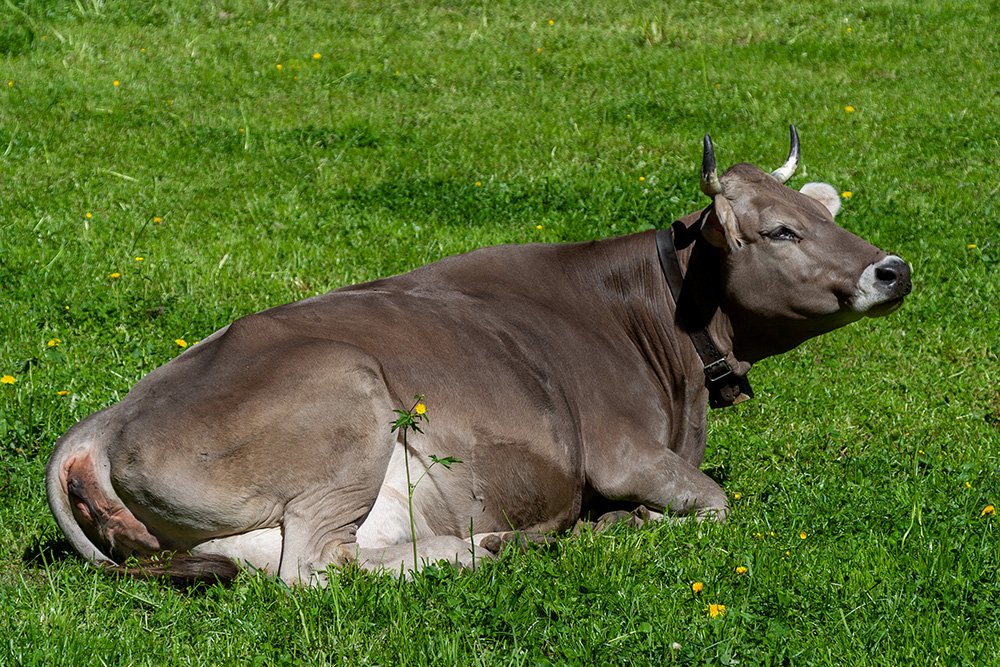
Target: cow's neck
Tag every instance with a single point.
(691, 267)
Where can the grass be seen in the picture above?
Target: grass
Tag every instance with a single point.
(423, 131)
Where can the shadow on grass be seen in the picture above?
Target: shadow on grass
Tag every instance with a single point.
(44, 552)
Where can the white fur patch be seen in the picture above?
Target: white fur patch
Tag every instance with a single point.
(825, 194)
(868, 293)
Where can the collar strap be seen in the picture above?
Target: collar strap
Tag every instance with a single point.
(725, 386)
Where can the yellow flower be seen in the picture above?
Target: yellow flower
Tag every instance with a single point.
(63, 392)
(479, 184)
(54, 342)
(972, 246)
(116, 82)
(539, 49)
(741, 570)
(8, 379)
(538, 226)
(849, 109)
(716, 610)
(697, 586)
(181, 342)
(278, 66)
(10, 83)
(847, 194)
(759, 535)
(551, 22)
(803, 535)
(737, 496)
(420, 408)
(157, 219)
(115, 275)
(848, 30)
(642, 178)
(988, 510)
(89, 215)
(139, 259)
(316, 56)
(968, 485)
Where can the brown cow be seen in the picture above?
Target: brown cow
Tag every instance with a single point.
(564, 377)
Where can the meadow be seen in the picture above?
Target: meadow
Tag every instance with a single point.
(167, 166)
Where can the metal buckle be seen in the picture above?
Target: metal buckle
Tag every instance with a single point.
(718, 365)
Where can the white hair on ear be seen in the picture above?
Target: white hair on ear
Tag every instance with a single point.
(825, 194)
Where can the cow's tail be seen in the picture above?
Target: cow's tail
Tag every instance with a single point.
(101, 528)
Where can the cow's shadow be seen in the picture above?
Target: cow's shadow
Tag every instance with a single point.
(46, 550)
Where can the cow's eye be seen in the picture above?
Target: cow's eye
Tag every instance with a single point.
(782, 234)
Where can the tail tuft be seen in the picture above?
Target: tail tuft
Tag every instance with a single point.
(181, 569)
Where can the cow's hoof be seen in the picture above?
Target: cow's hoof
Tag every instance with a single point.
(497, 542)
(637, 517)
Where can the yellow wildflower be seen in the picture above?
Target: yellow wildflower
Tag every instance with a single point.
(968, 485)
(988, 510)
(741, 570)
(89, 215)
(736, 496)
(847, 194)
(716, 610)
(316, 56)
(538, 226)
(849, 109)
(278, 66)
(181, 342)
(803, 535)
(479, 184)
(420, 408)
(642, 178)
(63, 392)
(539, 49)
(8, 379)
(157, 219)
(139, 259)
(972, 246)
(551, 22)
(697, 586)
(54, 342)
(115, 275)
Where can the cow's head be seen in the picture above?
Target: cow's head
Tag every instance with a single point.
(789, 271)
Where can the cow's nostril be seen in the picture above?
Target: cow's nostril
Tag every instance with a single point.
(886, 274)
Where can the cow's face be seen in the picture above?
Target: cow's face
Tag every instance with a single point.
(789, 271)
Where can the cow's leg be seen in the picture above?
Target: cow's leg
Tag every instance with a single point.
(398, 558)
(666, 484)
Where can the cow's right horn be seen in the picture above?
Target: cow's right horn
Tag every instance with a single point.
(710, 184)
(785, 171)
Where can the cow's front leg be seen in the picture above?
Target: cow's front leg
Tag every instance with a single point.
(665, 483)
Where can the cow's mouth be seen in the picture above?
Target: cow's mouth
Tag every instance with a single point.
(885, 307)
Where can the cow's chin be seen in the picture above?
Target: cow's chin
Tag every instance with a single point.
(884, 308)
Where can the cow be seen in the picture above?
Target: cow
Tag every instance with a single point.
(564, 377)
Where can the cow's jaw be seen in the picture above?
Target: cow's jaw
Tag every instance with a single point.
(882, 287)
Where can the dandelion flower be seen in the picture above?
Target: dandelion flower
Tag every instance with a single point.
(539, 49)
(157, 219)
(803, 535)
(697, 586)
(278, 66)
(54, 342)
(972, 246)
(849, 109)
(8, 379)
(642, 178)
(115, 275)
(551, 22)
(116, 82)
(479, 184)
(847, 194)
(181, 342)
(89, 215)
(10, 83)
(420, 408)
(242, 130)
(63, 392)
(316, 56)
(737, 496)
(139, 259)
(741, 570)
(538, 226)
(988, 511)
(715, 610)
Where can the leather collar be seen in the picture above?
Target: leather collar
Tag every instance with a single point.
(725, 386)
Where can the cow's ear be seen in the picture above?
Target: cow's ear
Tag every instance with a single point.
(825, 194)
(720, 227)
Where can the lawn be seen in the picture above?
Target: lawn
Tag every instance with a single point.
(166, 167)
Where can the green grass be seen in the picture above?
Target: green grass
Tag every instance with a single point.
(429, 129)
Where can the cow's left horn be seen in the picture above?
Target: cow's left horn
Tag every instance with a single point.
(710, 184)
(786, 170)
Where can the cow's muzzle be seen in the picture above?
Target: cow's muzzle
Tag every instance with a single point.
(882, 287)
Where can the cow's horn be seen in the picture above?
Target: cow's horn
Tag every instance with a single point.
(710, 184)
(786, 170)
